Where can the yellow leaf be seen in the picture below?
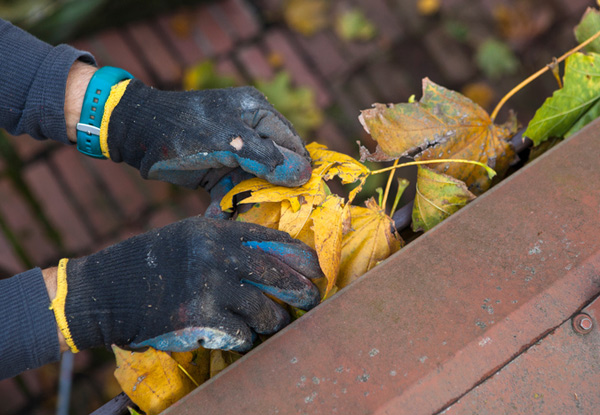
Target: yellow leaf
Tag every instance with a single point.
(263, 191)
(307, 16)
(151, 379)
(266, 214)
(427, 7)
(327, 227)
(196, 363)
(292, 221)
(331, 163)
(220, 359)
(371, 240)
(438, 196)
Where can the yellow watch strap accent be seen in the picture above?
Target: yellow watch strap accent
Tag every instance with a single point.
(116, 93)
(58, 304)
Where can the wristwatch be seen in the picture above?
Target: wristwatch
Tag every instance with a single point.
(96, 94)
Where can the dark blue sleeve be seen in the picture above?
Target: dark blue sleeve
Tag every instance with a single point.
(28, 336)
(33, 77)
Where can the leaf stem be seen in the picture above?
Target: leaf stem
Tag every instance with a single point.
(491, 172)
(188, 375)
(389, 185)
(538, 73)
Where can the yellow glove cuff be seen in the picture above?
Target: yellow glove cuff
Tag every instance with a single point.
(116, 93)
(58, 304)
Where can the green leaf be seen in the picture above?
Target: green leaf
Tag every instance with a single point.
(438, 196)
(589, 26)
(496, 59)
(298, 105)
(561, 113)
(353, 25)
(205, 76)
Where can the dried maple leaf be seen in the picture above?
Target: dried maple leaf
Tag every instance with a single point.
(443, 124)
(438, 196)
(371, 240)
(152, 379)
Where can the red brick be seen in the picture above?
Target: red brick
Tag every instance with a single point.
(156, 191)
(161, 61)
(57, 207)
(88, 46)
(182, 40)
(120, 181)
(11, 396)
(347, 103)
(390, 81)
(255, 63)
(28, 147)
(226, 67)
(407, 11)
(8, 259)
(330, 135)
(17, 214)
(218, 40)
(363, 92)
(323, 50)
(77, 175)
(240, 17)
(277, 41)
(162, 217)
(194, 204)
(113, 50)
(380, 14)
(449, 55)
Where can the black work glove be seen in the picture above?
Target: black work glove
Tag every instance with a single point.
(197, 282)
(181, 137)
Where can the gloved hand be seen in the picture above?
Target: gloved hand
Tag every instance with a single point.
(197, 282)
(179, 137)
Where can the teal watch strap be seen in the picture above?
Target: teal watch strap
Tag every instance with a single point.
(96, 94)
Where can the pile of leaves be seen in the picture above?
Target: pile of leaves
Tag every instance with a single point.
(458, 148)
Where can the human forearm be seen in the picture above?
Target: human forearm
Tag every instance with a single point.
(28, 327)
(33, 78)
(77, 82)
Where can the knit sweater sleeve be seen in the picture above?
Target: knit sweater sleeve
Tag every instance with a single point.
(29, 336)
(33, 77)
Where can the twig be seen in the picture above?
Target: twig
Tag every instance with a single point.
(538, 73)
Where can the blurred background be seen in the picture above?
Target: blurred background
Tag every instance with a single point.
(319, 62)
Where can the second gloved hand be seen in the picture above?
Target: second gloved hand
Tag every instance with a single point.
(197, 282)
(184, 137)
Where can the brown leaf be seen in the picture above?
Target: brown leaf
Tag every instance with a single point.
(152, 379)
(443, 124)
(438, 196)
(371, 240)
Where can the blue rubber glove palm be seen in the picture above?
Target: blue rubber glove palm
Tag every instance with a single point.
(197, 282)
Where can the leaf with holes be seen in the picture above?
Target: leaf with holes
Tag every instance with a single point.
(438, 196)
(443, 124)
